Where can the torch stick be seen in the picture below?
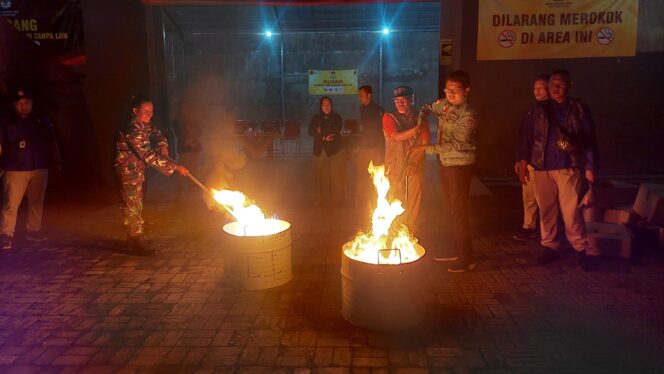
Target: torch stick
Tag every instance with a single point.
(203, 187)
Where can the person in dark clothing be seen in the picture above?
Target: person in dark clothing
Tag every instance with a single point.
(560, 145)
(371, 147)
(329, 155)
(28, 149)
(529, 227)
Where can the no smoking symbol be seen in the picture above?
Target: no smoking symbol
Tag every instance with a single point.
(605, 36)
(507, 38)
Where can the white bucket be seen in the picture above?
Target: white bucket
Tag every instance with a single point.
(258, 262)
(382, 296)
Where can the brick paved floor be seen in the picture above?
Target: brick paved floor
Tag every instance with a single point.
(79, 304)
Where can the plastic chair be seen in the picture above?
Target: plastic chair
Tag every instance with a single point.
(240, 126)
(272, 125)
(291, 132)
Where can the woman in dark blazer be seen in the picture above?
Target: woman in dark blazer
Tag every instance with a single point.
(329, 154)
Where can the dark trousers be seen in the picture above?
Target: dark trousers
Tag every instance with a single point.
(455, 183)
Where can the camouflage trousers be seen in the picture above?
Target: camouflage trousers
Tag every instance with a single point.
(132, 207)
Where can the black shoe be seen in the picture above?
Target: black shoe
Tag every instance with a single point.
(526, 234)
(36, 236)
(461, 267)
(6, 242)
(138, 246)
(585, 262)
(547, 256)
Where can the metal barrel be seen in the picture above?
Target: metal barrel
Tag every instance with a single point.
(382, 297)
(257, 262)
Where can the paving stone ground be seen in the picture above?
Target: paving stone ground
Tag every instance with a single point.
(79, 303)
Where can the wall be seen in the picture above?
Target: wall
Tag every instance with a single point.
(624, 94)
(58, 93)
(116, 50)
(242, 72)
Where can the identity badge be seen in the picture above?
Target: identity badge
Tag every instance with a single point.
(21, 144)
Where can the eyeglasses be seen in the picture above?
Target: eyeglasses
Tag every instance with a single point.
(401, 101)
(453, 91)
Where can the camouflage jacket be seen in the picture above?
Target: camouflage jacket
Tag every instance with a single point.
(134, 150)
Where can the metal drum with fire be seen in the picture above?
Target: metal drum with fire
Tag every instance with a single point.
(382, 276)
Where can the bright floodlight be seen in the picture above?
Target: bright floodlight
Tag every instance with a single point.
(268, 33)
(386, 31)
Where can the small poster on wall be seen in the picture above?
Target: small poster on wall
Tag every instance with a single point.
(333, 82)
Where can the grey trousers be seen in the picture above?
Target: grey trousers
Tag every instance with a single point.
(16, 184)
(529, 201)
(330, 174)
(558, 195)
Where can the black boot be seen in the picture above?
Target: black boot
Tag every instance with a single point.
(547, 256)
(585, 262)
(138, 246)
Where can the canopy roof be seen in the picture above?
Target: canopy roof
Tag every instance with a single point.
(220, 17)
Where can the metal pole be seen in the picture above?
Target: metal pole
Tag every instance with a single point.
(380, 70)
(283, 99)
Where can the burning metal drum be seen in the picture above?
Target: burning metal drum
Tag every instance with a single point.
(383, 296)
(255, 261)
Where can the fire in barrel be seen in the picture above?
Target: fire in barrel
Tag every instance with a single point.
(259, 248)
(382, 275)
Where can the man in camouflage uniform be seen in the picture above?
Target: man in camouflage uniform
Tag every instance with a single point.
(133, 152)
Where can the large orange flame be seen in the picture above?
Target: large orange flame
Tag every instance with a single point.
(250, 218)
(386, 243)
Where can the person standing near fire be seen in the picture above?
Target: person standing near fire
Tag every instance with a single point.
(371, 146)
(456, 149)
(329, 155)
(134, 151)
(403, 130)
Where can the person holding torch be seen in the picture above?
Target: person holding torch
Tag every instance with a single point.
(134, 151)
(456, 150)
(403, 131)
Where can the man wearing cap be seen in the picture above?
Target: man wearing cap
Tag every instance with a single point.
(403, 130)
(560, 144)
(27, 150)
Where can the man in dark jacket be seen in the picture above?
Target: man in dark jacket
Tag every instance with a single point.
(28, 149)
(371, 147)
(560, 145)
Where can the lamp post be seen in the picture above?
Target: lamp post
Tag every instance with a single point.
(283, 93)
